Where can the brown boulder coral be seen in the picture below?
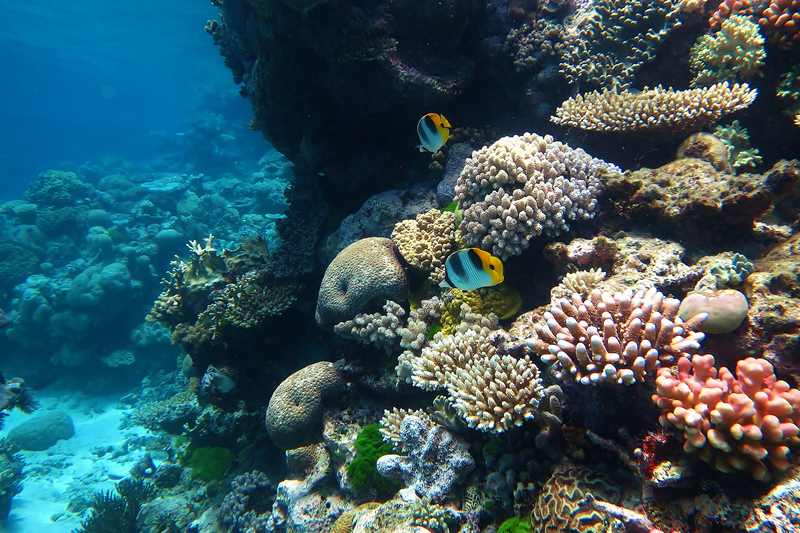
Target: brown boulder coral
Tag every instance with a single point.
(295, 409)
(697, 202)
(365, 271)
(426, 241)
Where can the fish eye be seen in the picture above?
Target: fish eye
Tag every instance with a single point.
(491, 266)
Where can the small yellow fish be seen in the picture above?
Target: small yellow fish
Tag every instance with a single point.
(433, 130)
(472, 269)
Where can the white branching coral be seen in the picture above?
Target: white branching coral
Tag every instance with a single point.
(490, 391)
(583, 282)
(391, 422)
(618, 338)
(523, 186)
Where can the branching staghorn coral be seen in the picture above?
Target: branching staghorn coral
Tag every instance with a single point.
(490, 391)
(734, 53)
(653, 109)
(523, 186)
(612, 45)
(613, 338)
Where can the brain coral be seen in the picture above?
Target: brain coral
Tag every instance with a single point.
(521, 187)
(294, 411)
(367, 270)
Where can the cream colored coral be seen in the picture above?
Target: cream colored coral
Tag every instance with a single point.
(582, 282)
(523, 186)
(426, 241)
(797, 120)
(391, 421)
(735, 53)
(490, 391)
(656, 108)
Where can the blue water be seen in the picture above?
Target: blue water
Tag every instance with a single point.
(85, 79)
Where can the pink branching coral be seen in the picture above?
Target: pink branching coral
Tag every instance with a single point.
(780, 22)
(618, 338)
(747, 423)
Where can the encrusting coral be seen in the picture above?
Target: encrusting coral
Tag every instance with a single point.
(426, 241)
(295, 409)
(734, 53)
(613, 338)
(523, 186)
(748, 422)
(653, 109)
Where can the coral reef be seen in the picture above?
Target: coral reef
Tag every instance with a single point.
(610, 48)
(780, 22)
(653, 109)
(687, 196)
(295, 409)
(747, 422)
(117, 512)
(435, 460)
(740, 153)
(365, 271)
(502, 301)
(735, 53)
(426, 241)
(523, 186)
(613, 338)
(248, 506)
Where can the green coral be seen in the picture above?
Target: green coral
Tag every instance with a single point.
(740, 153)
(789, 88)
(515, 525)
(210, 463)
(735, 53)
(369, 448)
(734, 273)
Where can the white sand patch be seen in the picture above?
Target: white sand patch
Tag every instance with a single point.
(69, 469)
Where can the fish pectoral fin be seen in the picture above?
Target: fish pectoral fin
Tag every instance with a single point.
(422, 148)
(445, 284)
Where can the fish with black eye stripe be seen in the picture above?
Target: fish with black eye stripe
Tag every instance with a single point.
(472, 269)
(433, 130)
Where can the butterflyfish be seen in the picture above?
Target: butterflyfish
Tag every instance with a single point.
(471, 269)
(433, 130)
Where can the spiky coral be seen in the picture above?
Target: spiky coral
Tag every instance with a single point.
(748, 422)
(618, 338)
(734, 53)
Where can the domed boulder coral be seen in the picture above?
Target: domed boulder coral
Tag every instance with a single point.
(368, 270)
(295, 409)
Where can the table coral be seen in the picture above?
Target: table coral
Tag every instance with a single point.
(748, 422)
(426, 241)
(436, 461)
(613, 338)
(295, 408)
(366, 270)
(523, 186)
(734, 53)
(653, 109)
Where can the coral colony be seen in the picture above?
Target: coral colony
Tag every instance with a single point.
(633, 367)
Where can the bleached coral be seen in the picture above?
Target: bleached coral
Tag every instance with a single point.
(523, 186)
(618, 338)
(734, 53)
(657, 108)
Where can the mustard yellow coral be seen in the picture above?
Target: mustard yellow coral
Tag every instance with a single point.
(426, 241)
(503, 301)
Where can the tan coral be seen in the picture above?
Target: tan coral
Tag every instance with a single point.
(707, 147)
(426, 241)
(294, 412)
(365, 271)
(653, 109)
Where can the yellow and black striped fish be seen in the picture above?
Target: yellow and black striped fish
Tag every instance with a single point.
(472, 269)
(433, 130)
